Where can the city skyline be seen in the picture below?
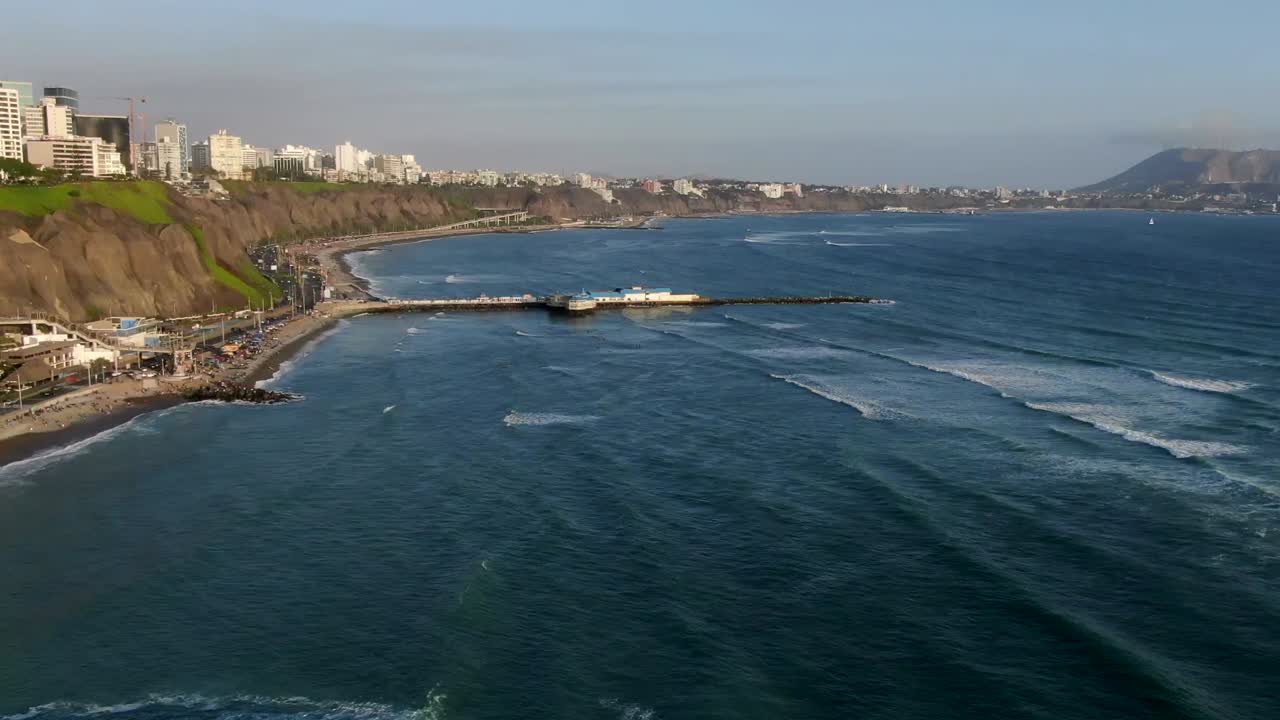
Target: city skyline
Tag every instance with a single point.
(831, 93)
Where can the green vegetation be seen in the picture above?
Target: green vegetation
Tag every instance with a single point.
(242, 188)
(256, 288)
(147, 201)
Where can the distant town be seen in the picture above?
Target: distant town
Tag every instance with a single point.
(50, 139)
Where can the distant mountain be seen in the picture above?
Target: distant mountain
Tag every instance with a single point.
(1191, 168)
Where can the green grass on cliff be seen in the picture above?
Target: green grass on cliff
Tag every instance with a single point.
(145, 200)
(255, 288)
(241, 188)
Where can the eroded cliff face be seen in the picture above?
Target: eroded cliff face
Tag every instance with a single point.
(88, 260)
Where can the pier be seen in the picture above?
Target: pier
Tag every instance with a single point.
(578, 303)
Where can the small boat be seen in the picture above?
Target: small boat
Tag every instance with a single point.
(1151, 221)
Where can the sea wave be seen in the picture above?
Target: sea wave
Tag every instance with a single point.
(233, 708)
(695, 324)
(816, 352)
(514, 419)
(869, 409)
(287, 366)
(857, 244)
(1202, 384)
(628, 711)
(1104, 418)
(14, 473)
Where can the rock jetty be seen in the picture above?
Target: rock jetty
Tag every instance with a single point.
(237, 392)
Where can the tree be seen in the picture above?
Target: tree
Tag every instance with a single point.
(17, 168)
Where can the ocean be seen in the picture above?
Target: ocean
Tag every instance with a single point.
(1044, 483)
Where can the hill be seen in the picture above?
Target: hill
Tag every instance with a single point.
(1188, 169)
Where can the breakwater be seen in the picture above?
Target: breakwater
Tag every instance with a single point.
(566, 303)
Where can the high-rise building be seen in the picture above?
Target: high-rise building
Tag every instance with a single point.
(652, 186)
(175, 132)
(113, 129)
(582, 180)
(64, 96)
(226, 156)
(200, 155)
(26, 96)
(249, 157)
(148, 159)
(391, 166)
(344, 157)
(10, 124)
(683, 186)
(265, 157)
(49, 119)
(169, 160)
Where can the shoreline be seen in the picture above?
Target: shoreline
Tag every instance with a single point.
(64, 423)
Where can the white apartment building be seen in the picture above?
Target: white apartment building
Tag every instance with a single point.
(344, 157)
(772, 191)
(226, 155)
(10, 124)
(175, 132)
(48, 119)
(582, 180)
(168, 158)
(683, 186)
(488, 178)
(84, 155)
(249, 157)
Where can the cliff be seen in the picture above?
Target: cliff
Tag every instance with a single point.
(138, 248)
(1186, 169)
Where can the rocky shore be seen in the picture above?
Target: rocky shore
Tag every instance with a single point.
(226, 391)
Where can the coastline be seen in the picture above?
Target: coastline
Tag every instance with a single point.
(62, 423)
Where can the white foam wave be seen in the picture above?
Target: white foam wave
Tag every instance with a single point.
(515, 418)
(628, 711)
(415, 331)
(783, 325)
(560, 369)
(454, 279)
(776, 238)
(288, 365)
(856, 244)
(522, 333)
(238, 707)
(867, 408)
(15, 472)
(1202, 384)
(1103, 418)
(816, 352)
(388, 409)
(695, 324)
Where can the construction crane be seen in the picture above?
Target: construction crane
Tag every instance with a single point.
(133, 143)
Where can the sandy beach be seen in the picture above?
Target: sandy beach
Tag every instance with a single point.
(89, 411)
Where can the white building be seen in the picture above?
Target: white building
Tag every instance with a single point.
(794, 189)
(168, 158)
(172, 131)
(344, 157)
(582, 180)
(226, 155)
(412, 170)
(772, 191)
(684, 186)
(82, 155)
(488, 178)
(48, 119)
(10, 124)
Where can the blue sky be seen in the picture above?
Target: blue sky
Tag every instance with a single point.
(1018, 93)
